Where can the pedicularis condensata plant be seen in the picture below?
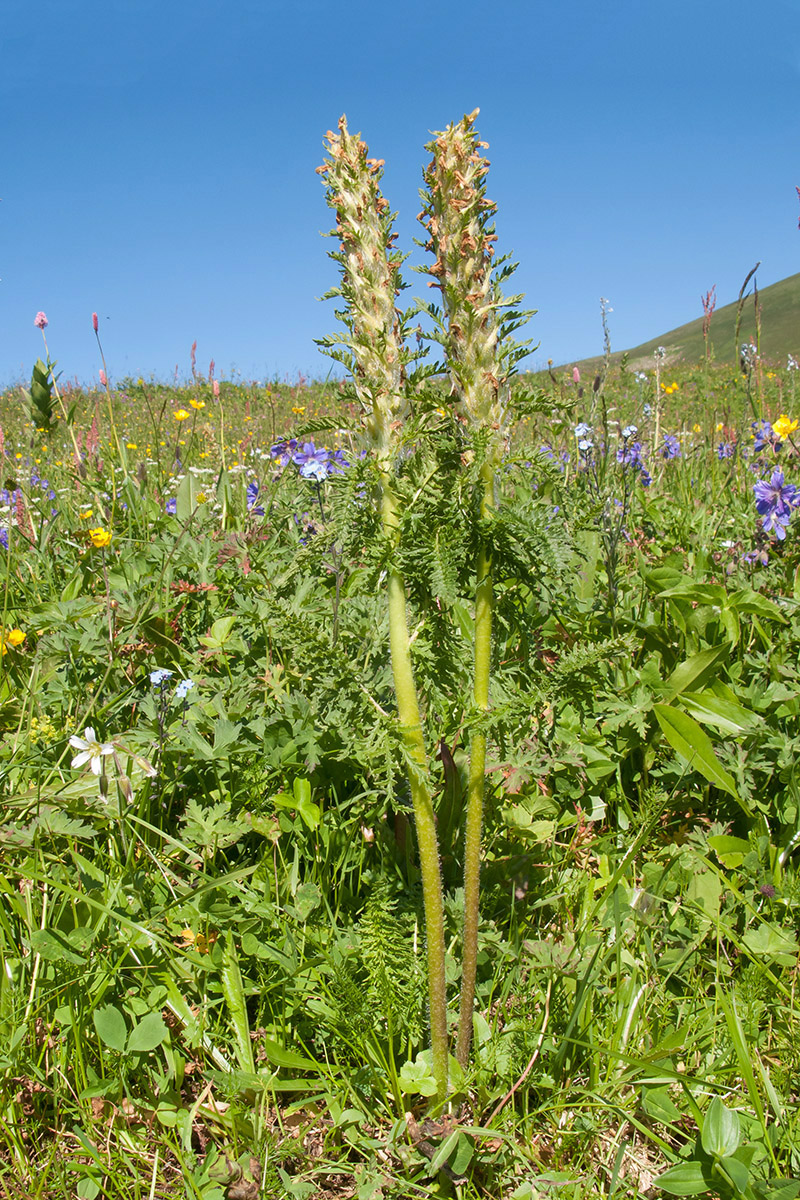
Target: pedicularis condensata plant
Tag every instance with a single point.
(473, 326)
(373, 350)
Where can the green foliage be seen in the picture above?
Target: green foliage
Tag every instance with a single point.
(39, 398)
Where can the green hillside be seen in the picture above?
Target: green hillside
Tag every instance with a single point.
(780, 329)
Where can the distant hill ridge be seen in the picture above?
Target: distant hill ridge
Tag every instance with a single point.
(780, 330)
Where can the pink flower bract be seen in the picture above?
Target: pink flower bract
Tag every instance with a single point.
(40, 320)
(94, 322)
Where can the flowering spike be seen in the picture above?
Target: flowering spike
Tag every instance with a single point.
(475, 321)
(370, 283)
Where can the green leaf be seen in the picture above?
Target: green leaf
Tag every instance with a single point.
(719, 714)
(149, 1033)
(686, 1179)
(54, 947)
(688, 739)
(110, 1025)
(226, 733)
(777, 1189)
(771, 942)
(737, 1171)
(443, 1153)
(307, 898)
(658, 1104)
(186, 500)
(289, 1060)
(88, 1187)
(694, 670)
(233, 991)
(721, 1130)
(729, 850)
(749, 601)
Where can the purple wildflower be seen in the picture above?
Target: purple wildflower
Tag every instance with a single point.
(252, 495)
(764, 437)
(671, 448)
(774, 502)
(725, 450)
(171, 507)
(283, 451)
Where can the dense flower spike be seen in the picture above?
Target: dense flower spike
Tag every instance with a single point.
(373, 348)
(475, 321)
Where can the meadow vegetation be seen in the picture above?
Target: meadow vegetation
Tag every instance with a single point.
(296, 676)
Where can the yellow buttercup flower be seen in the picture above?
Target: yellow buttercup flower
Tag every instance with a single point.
(198, 404)
(86, 514)
(784, 426)
(100, 538)
(696, 429)
(181, 414)
(15, 637)
(299, 409)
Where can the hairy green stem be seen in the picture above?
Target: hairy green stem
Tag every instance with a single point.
(484, 599)
(411, 728)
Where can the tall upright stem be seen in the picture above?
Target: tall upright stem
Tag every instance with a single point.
(484, 602)
(413, 739)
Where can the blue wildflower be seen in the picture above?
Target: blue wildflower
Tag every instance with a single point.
(672, 447)
(774, 502)
(764, 436)
(4, 538)
(160, 676)
(629, 432)
(282, 451)
(183, 688)
(582, 430)
(725, 450)
(172, 506)
(630, 455)
(252, 495)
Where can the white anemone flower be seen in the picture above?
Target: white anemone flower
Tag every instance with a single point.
(91, 751)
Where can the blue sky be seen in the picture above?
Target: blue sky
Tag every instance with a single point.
(157, 164)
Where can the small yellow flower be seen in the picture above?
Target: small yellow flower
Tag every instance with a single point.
(784, 426)
(100, 538)
(15, 637)
(201, 943)
(17, 455)
(696, 429)
(720, 427)
(299, 409)
(198, 404)
(181, 414)
(85, 514)
(201, 497)
(131, 446)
